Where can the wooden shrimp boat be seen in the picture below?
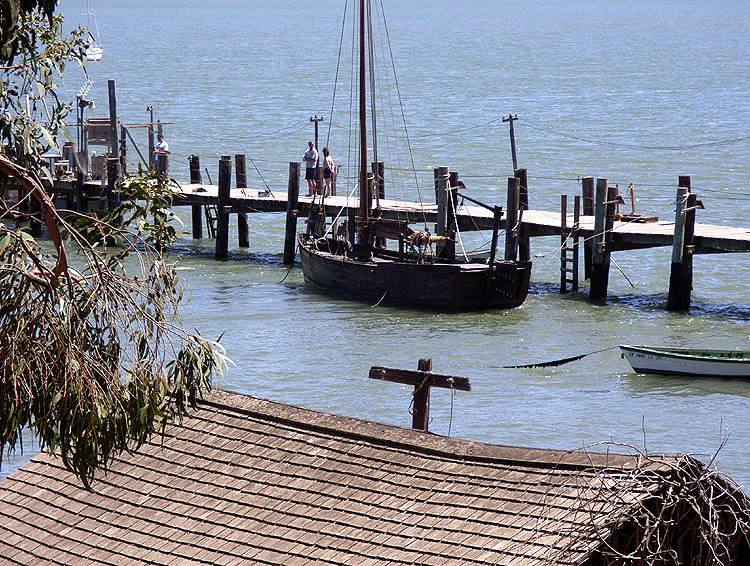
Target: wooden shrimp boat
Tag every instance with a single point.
(694, 362)
(355, 262)
(387, 278)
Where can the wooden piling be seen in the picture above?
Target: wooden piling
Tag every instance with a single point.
(290, 239)
(587, 190)
(511, 218)
(497, 219)
(604, 219)
(34, 209)
(524, 244)
(421, 414)
(113, 173)
(222, 212)
(451, 202)
(681, 272)
(243, 229)
(422, 380)
(114, 146)
(441, 227)
(196, 209)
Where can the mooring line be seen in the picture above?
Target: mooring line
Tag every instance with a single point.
(556, 362)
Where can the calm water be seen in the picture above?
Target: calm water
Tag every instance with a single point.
(642, 92)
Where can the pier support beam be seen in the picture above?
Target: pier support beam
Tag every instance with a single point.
(290, 239)
(587, 190)
(604, 219)
(222, 212)
(681, 273)
(524, 244)
(243, 229)
(511, 218)
(196, 209)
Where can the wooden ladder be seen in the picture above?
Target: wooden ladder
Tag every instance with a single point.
(569, 246)
(211, 214)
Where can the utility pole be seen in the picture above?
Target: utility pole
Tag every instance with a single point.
(315, 119)
(511, 118)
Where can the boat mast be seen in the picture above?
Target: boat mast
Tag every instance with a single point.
(364, 188)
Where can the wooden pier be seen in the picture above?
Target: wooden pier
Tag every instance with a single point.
(595, 224)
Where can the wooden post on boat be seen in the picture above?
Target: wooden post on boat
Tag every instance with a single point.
(422, 380)
(196, 209)
(442, 208)
(497, 219)
(681, 273)
(524, 245)
(511, 218)
(243, 229)
(451, 202)
(222, 212)
(604, 219)
(587, 190)
(290, 239)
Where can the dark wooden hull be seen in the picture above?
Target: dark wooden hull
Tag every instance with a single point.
(440, 286)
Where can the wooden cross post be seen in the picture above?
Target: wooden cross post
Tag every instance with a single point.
(422, 380)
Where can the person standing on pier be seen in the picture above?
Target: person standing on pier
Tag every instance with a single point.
(161, 151)
(329, 170)
(311, 161)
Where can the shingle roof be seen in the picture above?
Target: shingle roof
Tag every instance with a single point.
(250, 480)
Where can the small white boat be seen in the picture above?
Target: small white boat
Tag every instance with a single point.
(94, 53)
(94, 49)
(688, 361)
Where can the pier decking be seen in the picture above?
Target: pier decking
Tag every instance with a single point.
(626, 235)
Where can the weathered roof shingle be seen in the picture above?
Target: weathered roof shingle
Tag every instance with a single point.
(249, 480)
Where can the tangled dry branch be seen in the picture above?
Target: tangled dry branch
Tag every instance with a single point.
(665, 511)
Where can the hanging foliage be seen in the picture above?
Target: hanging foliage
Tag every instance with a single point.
(93, 355)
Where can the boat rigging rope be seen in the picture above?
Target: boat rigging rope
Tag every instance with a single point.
(455, 222)
(257, 170)
(336, 78)
(401, 106)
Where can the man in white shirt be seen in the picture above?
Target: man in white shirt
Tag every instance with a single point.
(311, 161)
(161, 150)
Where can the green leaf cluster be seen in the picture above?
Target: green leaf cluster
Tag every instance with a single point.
(93, 355)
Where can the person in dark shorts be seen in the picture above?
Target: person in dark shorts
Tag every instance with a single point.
(329, 170)
(311, 160)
